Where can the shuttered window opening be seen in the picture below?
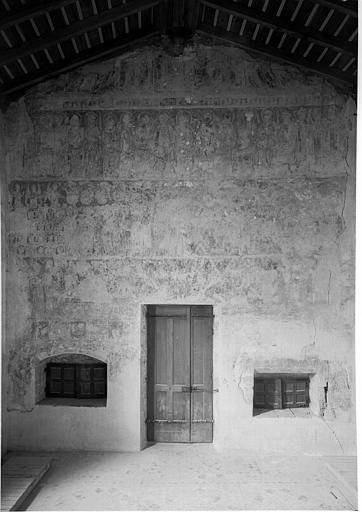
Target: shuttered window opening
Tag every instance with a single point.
(281, 392)
(76, 380)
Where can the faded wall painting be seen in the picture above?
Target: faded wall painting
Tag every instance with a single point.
(207, 178)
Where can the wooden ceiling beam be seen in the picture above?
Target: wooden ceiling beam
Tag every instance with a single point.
(107, 50)
(74, 29)
(277, 23)
(192, 11)
(267, 51)
(340, 7)
(162, 15)
(31, 11)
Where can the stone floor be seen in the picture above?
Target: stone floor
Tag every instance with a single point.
(195, 477)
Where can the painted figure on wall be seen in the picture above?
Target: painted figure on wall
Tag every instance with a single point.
(245, 147)
(184, 140)
(165, 141)
(144, 140)
(302, 156)
(206, 141)
(75, 146)
(287, 137)
(110, 145)
(44, 144)
(226, 134)
(125, 129)
(333, 141)
(144, 133)
(317, 131)
(92, 146)
(60, 163)
(266, 138)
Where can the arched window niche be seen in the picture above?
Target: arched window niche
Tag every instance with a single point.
(75, 380)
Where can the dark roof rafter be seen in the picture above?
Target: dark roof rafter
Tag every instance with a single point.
(31, 11)
(279, 55)
(75, 29)
(341, 7)
(59, 35)
(277, 23)
(106, 51)
(192, 14)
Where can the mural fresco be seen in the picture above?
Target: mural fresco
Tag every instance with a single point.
(185, 143)
(207, 178)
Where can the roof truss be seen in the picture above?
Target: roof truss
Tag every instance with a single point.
(39, 38)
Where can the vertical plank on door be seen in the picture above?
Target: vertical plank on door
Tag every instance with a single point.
(201, 374)
(169, 373)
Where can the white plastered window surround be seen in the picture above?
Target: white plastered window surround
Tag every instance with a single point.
(286, 395)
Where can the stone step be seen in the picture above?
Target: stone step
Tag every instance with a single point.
(19, 477)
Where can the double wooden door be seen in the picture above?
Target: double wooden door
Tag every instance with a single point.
(180, 374)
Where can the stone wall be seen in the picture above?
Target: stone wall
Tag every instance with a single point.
(3, 213)
(204, 178)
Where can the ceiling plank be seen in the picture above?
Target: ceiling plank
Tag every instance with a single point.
(162, 15)
(267, 51)
(340, 7)
(192, 8)
(31, 11)
(277, 23)
(108, 50)
(79, 27)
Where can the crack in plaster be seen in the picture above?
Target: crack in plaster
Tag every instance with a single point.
(329, 286)
(347, 379)
(315, 332)
(241, 366)
(313, 344)
(347, 167)
(335, 435)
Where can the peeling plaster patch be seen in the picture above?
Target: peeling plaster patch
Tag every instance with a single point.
(77, 329)
(329, 426)
(43, 330)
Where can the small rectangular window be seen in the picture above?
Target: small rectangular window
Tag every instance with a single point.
(76, 380)
(281, 391)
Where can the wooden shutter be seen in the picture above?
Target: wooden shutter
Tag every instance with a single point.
(100, 381)
(169, 374)
(74, 380)
(259, 393)
(91, 381)
(268, 393)
(69, 386)
(54, 380)
(295, 392)
(61, 380)
(84, 378)
(273, 395)
(201, 374)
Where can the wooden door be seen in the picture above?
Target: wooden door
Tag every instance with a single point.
(179, 374)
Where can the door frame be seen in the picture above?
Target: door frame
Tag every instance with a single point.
(144, 443)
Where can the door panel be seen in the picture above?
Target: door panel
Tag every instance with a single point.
(179, 373)
(201, 377)
(169, 354)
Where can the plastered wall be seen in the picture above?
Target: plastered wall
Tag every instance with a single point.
(204, 178)
(3, 239)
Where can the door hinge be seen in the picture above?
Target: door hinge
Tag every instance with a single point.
(166, 421)
(202, 421)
